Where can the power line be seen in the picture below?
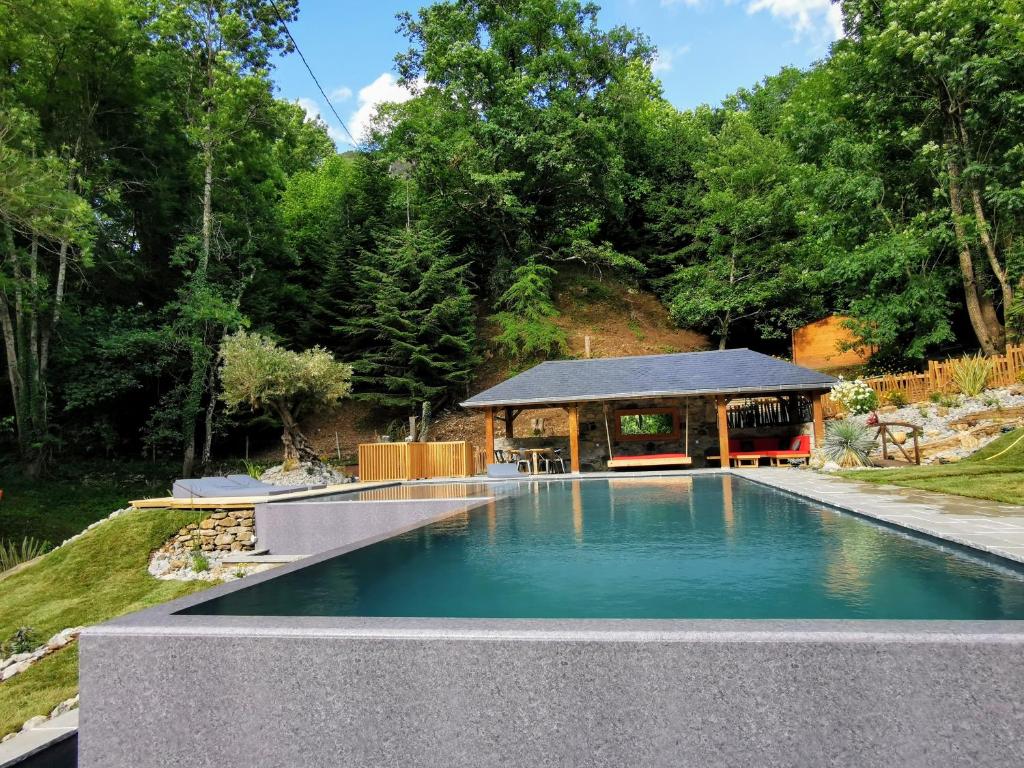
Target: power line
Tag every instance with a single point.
(311, 74)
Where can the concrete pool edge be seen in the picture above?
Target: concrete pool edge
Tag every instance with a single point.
(524, 692)
(918, 517)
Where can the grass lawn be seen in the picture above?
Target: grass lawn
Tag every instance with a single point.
(1000, 478)
(54, 509)
(100, 576)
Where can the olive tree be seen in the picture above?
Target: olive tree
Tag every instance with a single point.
(262, 375)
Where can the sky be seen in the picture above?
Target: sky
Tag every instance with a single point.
(706, 49)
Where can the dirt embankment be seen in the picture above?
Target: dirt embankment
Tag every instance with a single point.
(618, 319)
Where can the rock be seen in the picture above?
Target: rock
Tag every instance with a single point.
(207, 532)
(224, 539)
(65, 706)
(207, 524)
(184, 532)
(14, 669)
(830, 466)
(887, 409)
(969, 442)
(184, 539)
(7, 738)
(219, 515)
(305, 474)
(244, 535)
(34, 722)
(244, 514)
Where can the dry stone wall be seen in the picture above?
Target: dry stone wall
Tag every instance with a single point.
(225, 531)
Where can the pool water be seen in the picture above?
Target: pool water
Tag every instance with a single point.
(710, 546)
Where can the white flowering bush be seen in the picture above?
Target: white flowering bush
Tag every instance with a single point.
(854, 396)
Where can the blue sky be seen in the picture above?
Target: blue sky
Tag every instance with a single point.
(707, 48)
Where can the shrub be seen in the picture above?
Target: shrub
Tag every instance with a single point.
(252, 469)
(896, 398)
(199, 562)
(848, 443)
(855, 396)
(12, 554)
(935, 397)
(24, 640)
(971, 374)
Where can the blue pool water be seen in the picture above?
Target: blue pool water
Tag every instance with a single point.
(701, 547)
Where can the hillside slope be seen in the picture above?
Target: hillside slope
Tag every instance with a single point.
(619, 320)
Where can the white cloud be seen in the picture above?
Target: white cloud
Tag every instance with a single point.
(666, 57)
(804, 15)
(384, 89)
(313, 112)
(341, 93)
(821, 18)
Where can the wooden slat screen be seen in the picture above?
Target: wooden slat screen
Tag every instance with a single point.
(415, 461)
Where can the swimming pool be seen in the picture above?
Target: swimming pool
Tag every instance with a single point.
(706, 547)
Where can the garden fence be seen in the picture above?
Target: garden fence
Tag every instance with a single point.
(915, 387)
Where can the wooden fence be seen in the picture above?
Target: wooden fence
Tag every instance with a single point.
(916, 387)
(415, 461)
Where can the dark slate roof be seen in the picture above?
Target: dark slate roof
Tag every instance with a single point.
(729, 371)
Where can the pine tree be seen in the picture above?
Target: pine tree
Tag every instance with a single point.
(412, 329)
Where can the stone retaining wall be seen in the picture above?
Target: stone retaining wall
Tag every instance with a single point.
(224, 531)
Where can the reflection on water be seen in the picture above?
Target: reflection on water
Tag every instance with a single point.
(703, 547)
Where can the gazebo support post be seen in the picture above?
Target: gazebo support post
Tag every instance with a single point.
(489, 434)
(574, 438)
(510, 417)
(723, 430)
(818, 411)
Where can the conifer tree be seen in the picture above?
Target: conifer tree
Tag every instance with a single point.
(412, 327)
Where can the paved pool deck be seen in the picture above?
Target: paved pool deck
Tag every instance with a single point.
(990, 526)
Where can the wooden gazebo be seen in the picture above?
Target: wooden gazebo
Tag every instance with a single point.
(664, 380)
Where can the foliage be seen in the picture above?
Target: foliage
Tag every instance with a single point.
(412, 321)
(854, 396)
(253, 469)
(848, 443)
(896, 398)
(12, 554)
(24, 640)
(258, 373)
(971, 374)
(527, 323)
(200, 562)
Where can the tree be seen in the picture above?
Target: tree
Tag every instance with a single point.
(257, 373)
(941, 81)
(411, 322)
(742, 265)
(515, 136)
(227, 45)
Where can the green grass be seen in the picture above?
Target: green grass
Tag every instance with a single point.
(1000, 478)
(55, 508)
(98, 577)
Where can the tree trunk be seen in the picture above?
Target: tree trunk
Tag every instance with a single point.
(979, 317)
(984, 231)
(296, 446)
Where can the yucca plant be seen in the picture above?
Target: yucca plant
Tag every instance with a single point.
(848, 443)
(971, 374)
(12, 554)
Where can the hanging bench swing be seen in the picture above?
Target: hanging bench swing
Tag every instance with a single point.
(650, 459)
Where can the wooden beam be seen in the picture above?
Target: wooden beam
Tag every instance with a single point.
(510, 417)
(489, 434)
(723, 430)
(819, 419)
(574, 438)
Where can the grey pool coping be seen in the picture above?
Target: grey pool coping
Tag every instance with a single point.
(35, 740)
(988, 526)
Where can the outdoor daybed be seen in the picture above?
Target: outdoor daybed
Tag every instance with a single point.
(650, 460)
